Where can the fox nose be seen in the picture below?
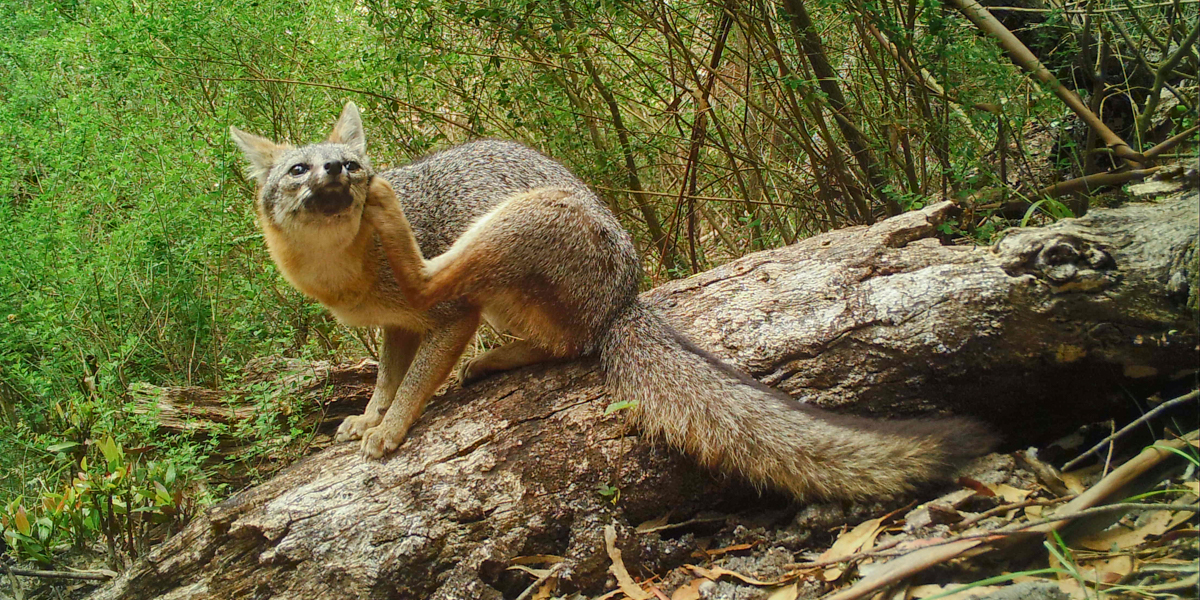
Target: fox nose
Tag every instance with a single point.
(333, 168)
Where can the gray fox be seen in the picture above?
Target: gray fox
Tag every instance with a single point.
(518, 240)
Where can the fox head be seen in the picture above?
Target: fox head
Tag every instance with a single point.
(323, 184)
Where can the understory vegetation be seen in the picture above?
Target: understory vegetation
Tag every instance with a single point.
(129, 254)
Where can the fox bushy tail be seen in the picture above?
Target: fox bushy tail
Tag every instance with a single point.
(731, 422)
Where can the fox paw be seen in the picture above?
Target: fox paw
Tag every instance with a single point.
(380, 193)
(378, 442)
(354, 427)
(470, 372)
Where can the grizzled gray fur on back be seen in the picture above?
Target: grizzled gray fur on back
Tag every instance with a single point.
(443, 193)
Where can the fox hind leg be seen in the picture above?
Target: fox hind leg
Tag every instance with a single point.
(513, 355)
(552, 262)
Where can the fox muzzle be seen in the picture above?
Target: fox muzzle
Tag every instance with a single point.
(329, 200)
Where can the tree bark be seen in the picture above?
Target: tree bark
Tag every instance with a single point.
(881, 319)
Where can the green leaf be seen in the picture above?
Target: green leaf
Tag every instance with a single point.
(21, 520)
(61, 446)
(619, 405)
(112, 452)
(161, 493)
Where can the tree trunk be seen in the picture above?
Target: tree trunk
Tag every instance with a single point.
(881, 319)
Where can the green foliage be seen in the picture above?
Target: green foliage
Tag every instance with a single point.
(609, 492)
(1051, 207)
(129, 254)
(117, 496)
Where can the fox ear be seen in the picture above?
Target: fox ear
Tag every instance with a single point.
(349, 130)
(261, 152)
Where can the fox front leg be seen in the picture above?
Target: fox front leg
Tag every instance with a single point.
(439, 351)
(399, 347)
(385, 215)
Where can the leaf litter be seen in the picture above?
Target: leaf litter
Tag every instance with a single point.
(1005, 527)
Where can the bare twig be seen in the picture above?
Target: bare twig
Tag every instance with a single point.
(330, 86)
(687, 523)
(1022, 55)
(1091, 182)
(1127, 472)
(84, 575)
(810, 44)
(1170, 142)
(1047, 475)
(1130, 427)
(1142, 122)
(999, 510)
(1070, 11)
(538, 583)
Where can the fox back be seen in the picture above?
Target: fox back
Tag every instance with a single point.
(444, 193)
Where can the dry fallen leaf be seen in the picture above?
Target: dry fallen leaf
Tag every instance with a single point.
(905, 566)
(787, 592)
(1079, 480)
(1107, 570)
(1071, 587)
(979, 487)
(1122, 537)
(925, 591)
(537, 559)
(691, 591)
(537, 573)
(624, 581)
(716, 573)
(862, 537)
(832, 573)
(545, 592)
(1009, 493)
(727, 549)
(853, 541)
(920, 517)
(654, 523)
(941, 514)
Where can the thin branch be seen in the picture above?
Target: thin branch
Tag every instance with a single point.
(1160, 79)
(1170, 142)
(84, 575)
(704, 198)
(1070, 11)
(1022, 55)
(329, 86)
(1088, 183)
(1130, 427)
(927, 556)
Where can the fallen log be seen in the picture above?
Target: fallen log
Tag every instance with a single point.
(881, 320)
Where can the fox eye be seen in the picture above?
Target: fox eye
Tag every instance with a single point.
(298, 170)
(352, 166)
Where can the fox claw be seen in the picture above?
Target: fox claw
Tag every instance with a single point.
(470, 373)
(380, 441)
(353, 428)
